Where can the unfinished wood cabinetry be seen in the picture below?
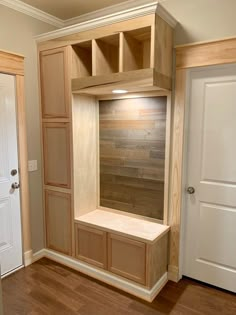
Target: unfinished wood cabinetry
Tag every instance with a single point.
(132, 248)
(55, 80)
(55, 85)
(77, 72)
(136, 50)
(82, 60)
(58, 221)
(91, 245)
(127, 258)
(56, 140)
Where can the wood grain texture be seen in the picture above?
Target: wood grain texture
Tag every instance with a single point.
(85, 156)
(57, 163)
(132, 155)
(206, 54)
(47, 288)
(23, 163)
(91, 245)
(176, 173)
(98, 32)
(157, 260)
(82, 60)
(163, 47)
(127, 258)
(55, 83)
(106, 55)
(136, 49)
(11, 63)
(58, 214)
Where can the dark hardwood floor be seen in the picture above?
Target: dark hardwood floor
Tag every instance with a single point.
(49, 288)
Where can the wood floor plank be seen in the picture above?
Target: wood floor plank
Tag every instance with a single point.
(48, 288)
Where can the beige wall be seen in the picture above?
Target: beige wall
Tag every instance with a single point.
(201, 20)
(16, 34)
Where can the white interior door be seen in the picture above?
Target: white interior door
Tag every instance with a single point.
(210, 225)
(10, 215)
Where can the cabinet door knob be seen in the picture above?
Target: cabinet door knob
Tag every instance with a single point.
(190, 190)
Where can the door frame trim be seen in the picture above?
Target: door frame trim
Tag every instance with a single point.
(189, 56)
(13, 64)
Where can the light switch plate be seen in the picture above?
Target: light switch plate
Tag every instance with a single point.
(32, 165)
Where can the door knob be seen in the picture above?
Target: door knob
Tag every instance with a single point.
(190, 190)
(13, 172)
(15, 185)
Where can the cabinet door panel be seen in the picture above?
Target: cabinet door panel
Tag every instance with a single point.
(57, 166)
(58, 221)
(54, 83)
(91, 246)
(127, 258)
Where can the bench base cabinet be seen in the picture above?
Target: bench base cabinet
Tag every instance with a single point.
(127, 258)
(143, 263)
(91, 246)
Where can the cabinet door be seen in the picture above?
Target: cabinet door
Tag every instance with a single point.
(56, 146)
(58, 221)
(91, 245)
(127, 258)
(55, 94)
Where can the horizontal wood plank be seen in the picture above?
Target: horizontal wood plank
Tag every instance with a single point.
(132, 155)
(206, 54)
(11, 63)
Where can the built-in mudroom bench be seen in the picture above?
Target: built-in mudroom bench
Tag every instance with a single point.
(106, 155)
(135, 249)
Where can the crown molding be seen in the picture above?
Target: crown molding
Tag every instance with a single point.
(113, 14)
(166, 16)
(126, 6)
(33, 12)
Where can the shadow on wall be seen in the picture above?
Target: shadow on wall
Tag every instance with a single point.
(182, 35)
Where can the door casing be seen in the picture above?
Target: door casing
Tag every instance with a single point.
(190, 56)
(13, 64)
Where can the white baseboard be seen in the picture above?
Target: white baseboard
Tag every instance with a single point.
(105, 276)
(38, 255)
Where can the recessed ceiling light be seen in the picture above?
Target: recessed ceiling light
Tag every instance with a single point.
(119, 91)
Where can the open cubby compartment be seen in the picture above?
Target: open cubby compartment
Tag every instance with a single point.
(137, 49)
(106, 55)
(82, 59)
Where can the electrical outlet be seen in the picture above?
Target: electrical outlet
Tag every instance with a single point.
(32, 165)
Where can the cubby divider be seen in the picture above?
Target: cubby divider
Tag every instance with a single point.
(82, 59)
(136, 49)
(106, 55)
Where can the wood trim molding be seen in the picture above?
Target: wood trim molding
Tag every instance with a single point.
(176, 174)
(105, 276)
(206, 54)
(29, 10)
(110, 15)
(218, 52)
(13, 64)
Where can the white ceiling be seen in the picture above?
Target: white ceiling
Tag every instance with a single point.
(66, 9)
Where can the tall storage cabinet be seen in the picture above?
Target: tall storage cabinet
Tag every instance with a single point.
(77, 71)
(56, 135)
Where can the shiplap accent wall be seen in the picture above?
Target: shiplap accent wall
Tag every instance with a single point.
(132, 155)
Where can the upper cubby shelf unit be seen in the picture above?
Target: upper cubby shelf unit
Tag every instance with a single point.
(136, 59)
